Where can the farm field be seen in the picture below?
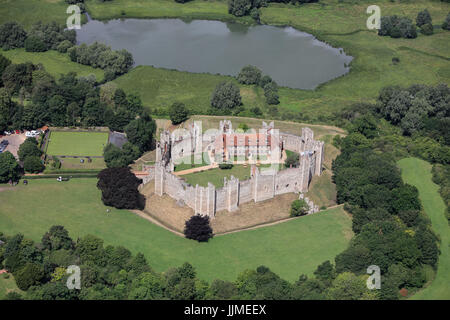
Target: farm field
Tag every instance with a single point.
(418, 173)
(77, 143)
(289, 248)
(54, 62)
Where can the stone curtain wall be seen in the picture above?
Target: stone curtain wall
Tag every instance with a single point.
(263, 185)
(208, 200)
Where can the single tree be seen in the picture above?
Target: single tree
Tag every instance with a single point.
(119, 188)
(198, 228)
(178, 113)
(9, 168)
(249, 75)
(226, 96)
(423, 17)
(299, 207)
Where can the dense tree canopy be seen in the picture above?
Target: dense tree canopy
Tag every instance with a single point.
(397, 27)
(12, 36)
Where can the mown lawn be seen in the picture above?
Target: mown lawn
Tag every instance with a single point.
(54, 62)
(418, 173)
(289, 248)
(77, 143)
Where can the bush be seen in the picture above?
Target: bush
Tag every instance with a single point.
(427, 29)
(446, 23)
(299, 208)
(198, 228)
(225, 166)
(34, 44)
(423, 18)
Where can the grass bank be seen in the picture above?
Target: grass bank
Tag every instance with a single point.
(418, 173)
(54, 62)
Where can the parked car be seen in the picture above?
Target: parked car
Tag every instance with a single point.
(7, 133)
(32, 133)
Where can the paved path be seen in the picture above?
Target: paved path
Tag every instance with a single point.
(198, 169)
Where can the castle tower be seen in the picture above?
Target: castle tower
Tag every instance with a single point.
(159, 179)
(232, 192)
(305, 164)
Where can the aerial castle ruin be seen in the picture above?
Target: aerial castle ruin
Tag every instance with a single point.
(226, 145)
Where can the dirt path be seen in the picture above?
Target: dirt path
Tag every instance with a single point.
(153, 220)
(198, 169)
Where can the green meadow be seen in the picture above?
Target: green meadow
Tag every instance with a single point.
(54, 62)
(289, 249)
(418, 173)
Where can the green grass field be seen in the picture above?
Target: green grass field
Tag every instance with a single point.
(7, 285)
(189, 162)
(418, 173)
(54, 62)
(289, 249)
(77, 143)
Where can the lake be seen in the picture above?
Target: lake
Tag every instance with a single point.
(292, 58)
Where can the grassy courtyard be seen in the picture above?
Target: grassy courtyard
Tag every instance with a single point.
(215, 176)
(77, 143)
(418, 173)
(289, 248)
